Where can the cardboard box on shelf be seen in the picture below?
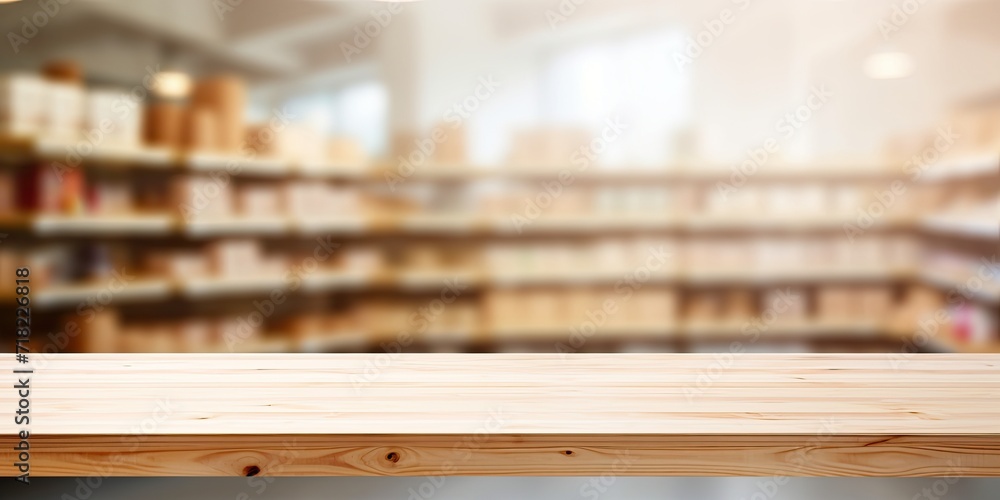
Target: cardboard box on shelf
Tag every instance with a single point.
(235, 332)
(115, 124)
(201, 130)
(22, 105)
(63, 112)
(196, 335)
(547, 146)
(176, 265)
(101, 333)
(359, 259)
(164, 125)
(237, 258)
(226, 97)
(303, 144)
(63, 71)
(345, 151)
(874, 302)
(111, 197)
(834, 303)
(263, 141)
(8, 200)
(740, 304)
(259, 200)
(504, 308)
(788, 303)
(655, 307)
(450, 146)
(201, 197)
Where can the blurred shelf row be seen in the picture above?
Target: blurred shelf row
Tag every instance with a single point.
(167, 224)
(82, 153)
(155, 289)
(732, 335)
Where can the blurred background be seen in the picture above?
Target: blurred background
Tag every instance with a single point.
(480, 176)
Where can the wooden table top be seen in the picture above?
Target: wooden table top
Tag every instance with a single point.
(929, 409)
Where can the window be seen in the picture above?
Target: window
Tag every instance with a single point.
(632, 78)
(359, 110)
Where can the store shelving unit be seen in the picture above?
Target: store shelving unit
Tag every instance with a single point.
(481, 279)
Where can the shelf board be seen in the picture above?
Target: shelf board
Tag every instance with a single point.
(139, 290)
(953, 345)
(968, 167)
(331, 280)
(806, 329)
(84, 153)
(332, 171)
(103, 155)
(153, 289)
(229, 286)
(970, 228)
(83, 225)
(526, 414)
(145, 156)
(629, 174)
(564, 334)
(206, 162)
(959, 284)
(61, 295)
(237, 225)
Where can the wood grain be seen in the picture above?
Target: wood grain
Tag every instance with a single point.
(511, 414)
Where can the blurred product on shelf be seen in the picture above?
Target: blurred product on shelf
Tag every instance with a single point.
(23, 105)
(201, 130)
(112, 120)
(345, 152)
(202, 197)
(165, 126)
(111, 197)
(176, 265)
(224, 98)
(63, 71)
(978, 129)
(65, 98)
(259, 200)
(450, 146)
(8, 193)
(550, 147)
(311, 200)
(33, 106)
(51, 188)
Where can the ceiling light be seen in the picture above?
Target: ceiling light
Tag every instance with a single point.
(889, 65)
(171, 84)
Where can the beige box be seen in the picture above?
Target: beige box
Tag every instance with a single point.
(63, 111)
(259, 201)
(200, 132)
(345, 151)
(235, 258)
(196, 335)
(101, 333)
(226, 97)
(114, 118)
(201, 197)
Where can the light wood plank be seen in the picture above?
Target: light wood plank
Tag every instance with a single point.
(503, 414)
